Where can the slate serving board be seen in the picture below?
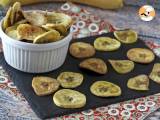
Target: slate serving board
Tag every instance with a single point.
(44, 106)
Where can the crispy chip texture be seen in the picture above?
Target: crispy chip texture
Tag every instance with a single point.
(29, 32)
(35, 26)
(36, 18)
(7, 19)
(50, 36)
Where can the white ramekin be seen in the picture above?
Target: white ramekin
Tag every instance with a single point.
(34, 58)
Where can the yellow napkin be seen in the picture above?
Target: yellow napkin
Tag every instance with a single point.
(105, 4)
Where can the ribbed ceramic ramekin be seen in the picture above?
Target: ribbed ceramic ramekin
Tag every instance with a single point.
(34, 58)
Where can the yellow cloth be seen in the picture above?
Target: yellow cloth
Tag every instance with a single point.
(105, 4)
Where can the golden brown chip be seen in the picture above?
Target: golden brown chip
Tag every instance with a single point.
(126, 36)
(16, 13)
(94, 64)
(141, 55)
(12, 32)
(60, 28)
(48, 37)
(106, 44)
(70, 79)
(66, 98)
(140, 82)
(44, 85)
(29, 32)
(36, 18)
(122, 66)
(81, 50)
(7, 19)
(155, 74)
(105, 89)
(56, 19)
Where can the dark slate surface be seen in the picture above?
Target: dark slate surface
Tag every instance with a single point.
(44, 106)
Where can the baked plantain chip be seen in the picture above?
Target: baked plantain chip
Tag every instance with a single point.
(60, 28)
(47, 37)
(140, 82)
(44, 85)
(81, 50)
(105, 89)
(7, 19)
(155, 74)
(122, 66)
(141, 55)
(66, 98)
(106, 44)
(37, 18)
(29, 32)
(17, 13)
(58, 19)
(12, 32)
(70, 79)
(126, 36)
(94, 64)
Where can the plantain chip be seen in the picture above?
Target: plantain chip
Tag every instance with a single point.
(43, 85)
(29, 32)
(12, 32)
(67, 98)
(60, 28)
(36, 18)
(141, 55)
(81, 50)
(122, 66)
(16, 13)
(96, 65)
(50, 36)
(7, 20)
(106, 44)
(140, 82)
(58, 19)
(155, 73)
(126, 36)
(70, 79)
(105, 89)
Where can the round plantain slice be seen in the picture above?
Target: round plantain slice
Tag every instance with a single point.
(58, 19)
(7, 19)
(47, 37)
(29, 32)
(66, 98)
(94, 64)
(44, 85)
(141, 55)
(70, 79)
(12, 32)
(122, 66)
(105, 89)
(140, 82)
(126, 36)
(60, 28)
(81, 50)
(106, 44)
(155, 73)
(37, 18)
